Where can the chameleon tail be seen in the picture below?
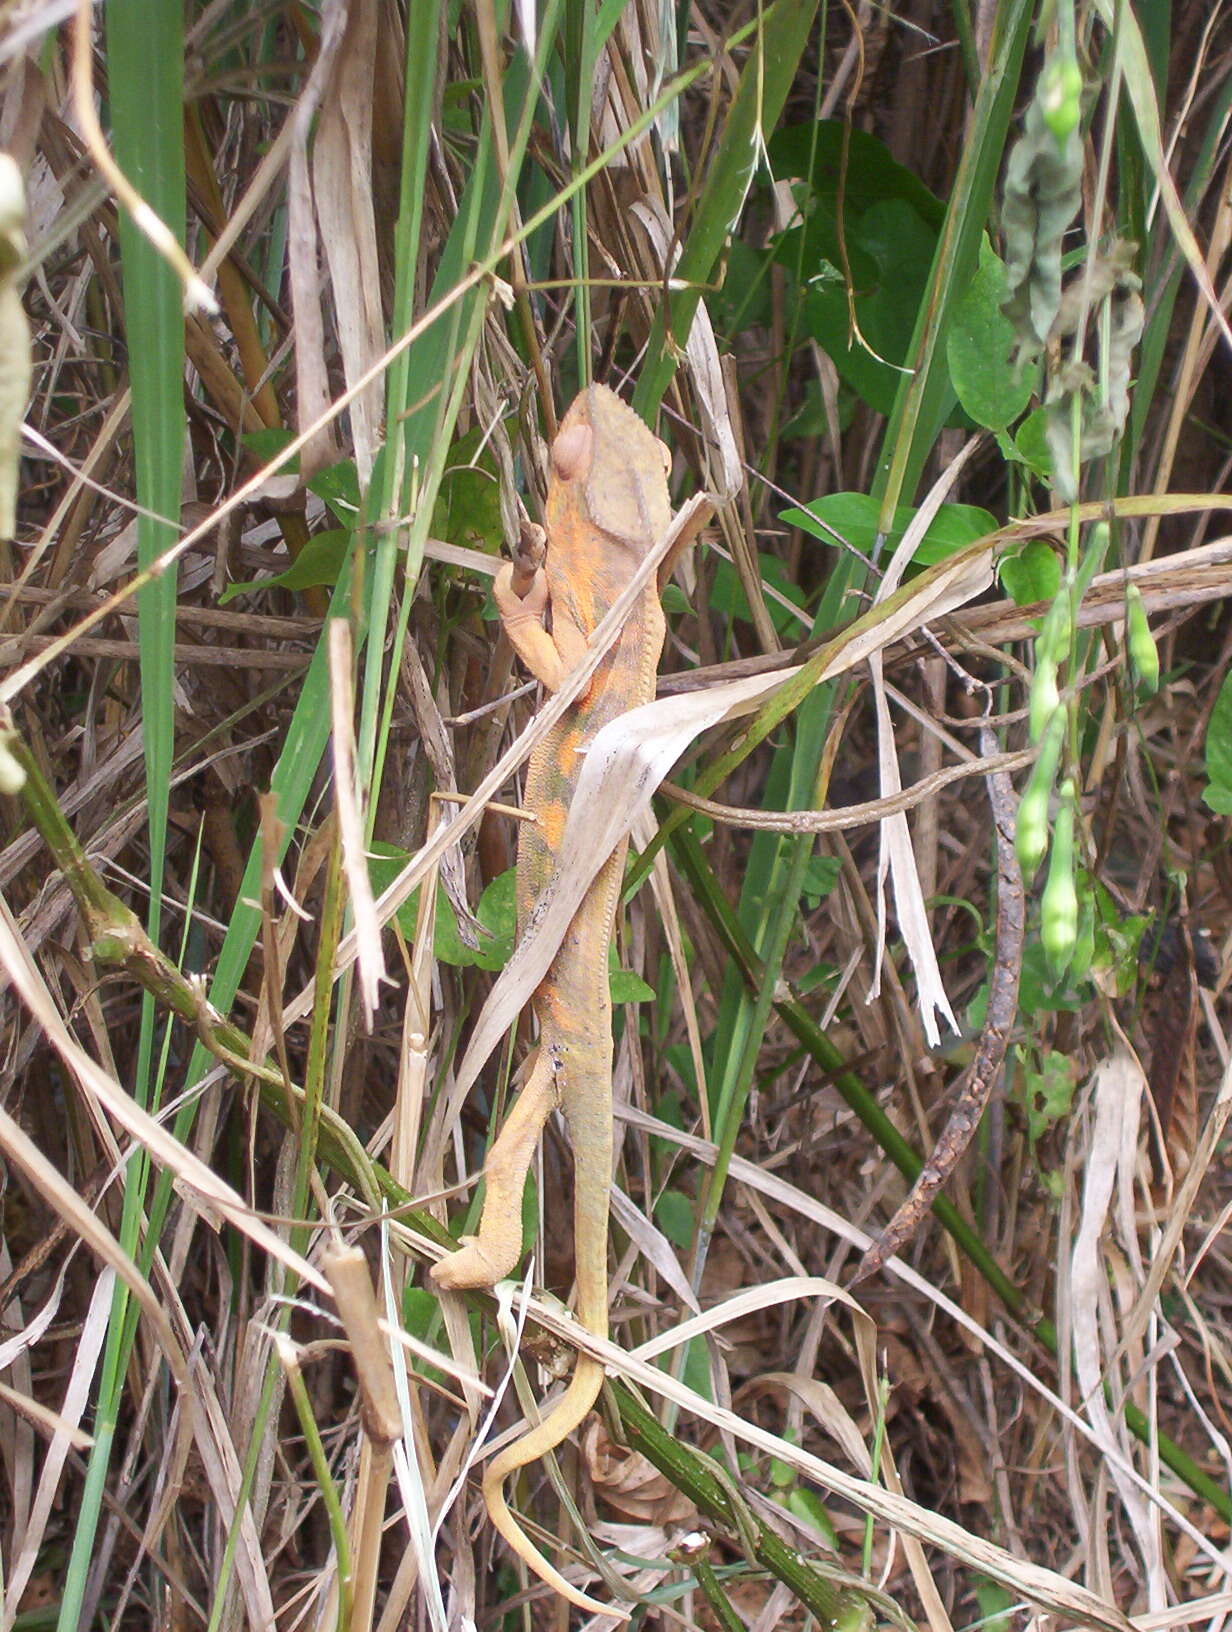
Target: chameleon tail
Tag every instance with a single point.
(578, 1398)
(588, 1110)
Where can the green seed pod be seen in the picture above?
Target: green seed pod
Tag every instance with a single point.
(1060, 96)
(1143, 654)
(1059, 902)
(1031, 830)
(1044, 698)
(1052, 642)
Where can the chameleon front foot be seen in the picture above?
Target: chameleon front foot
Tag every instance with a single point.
(473, 1265)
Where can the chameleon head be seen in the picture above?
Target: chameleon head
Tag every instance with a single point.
(604, 450)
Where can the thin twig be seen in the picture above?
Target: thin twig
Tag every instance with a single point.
(994, 1038)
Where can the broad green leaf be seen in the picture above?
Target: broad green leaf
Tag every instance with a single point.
(1218, 791)
(467, 508)
(821, 974)
(497, 913)
(268, 442)
(1049, 1092)
(853, 516)
(338, 485)
(814, 152)
(1030, 444)
(627, 987)
(669, 1107)
(674, 1213)
(743, 300)
(820, 876)
(990, 386)
(320, 562)
(1032, 573)
(807, 1505)
(728, 600)
(810, 418)
(889, 251)
(997, 1605)
(1038, 991)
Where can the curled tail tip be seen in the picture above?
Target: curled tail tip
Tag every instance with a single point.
(549, 1434)
(524, 1548)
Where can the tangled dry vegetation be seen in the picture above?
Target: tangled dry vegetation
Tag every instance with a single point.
(228, 1394)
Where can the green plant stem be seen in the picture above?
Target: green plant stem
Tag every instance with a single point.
(318, 1037)
(843, 1610)
(325, 1482)
(720, 1604)
(688, 853)
(926, 395)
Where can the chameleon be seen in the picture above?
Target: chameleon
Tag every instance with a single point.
(607, 505)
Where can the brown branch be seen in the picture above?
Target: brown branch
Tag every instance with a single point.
(994, 1038)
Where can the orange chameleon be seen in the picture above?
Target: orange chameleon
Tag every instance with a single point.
(607, 506)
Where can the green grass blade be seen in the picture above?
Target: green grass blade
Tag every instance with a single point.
(145, 81)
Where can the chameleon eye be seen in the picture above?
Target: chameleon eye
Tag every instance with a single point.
(571, 452)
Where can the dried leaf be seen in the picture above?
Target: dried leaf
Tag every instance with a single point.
(630, 1484)
(350, 817)
(897, 858)
(312, 393)
(342, 187)
(1116, 1092)
(1043, 189)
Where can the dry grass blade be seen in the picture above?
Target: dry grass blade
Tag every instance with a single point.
(1041, 1586)
(350, 817)
(66, 1435)
(999, 1018)
(897, 858)
(342, 170)
(815, 1212)
(48, 1422)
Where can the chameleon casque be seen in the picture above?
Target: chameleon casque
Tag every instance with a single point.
(607, 505)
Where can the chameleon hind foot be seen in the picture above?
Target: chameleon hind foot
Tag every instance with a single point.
(490, 1256)
(471, 1265)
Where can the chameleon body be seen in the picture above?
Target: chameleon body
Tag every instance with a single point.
(607, 505)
